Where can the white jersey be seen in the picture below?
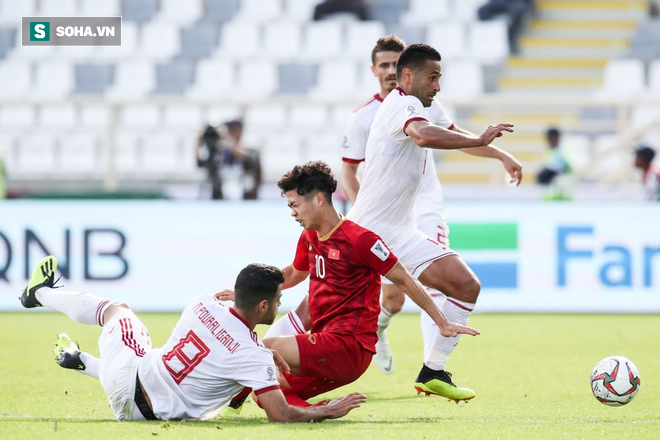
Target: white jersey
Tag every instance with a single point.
(429, 199)
(396, 169)
(209, 358)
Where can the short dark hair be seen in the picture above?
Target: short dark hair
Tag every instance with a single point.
(389, 43)
(645, 153)
(552, 132)
(414, 57)
(309, 179)
(255, 283)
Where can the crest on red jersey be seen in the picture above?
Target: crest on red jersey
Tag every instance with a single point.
(333, 254)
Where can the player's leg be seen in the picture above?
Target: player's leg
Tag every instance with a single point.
(79, 306)
(431, 221)
(123, 342)
(68, 355)
(456, 280)
(391, 303)
(295, 322)
(327, 361)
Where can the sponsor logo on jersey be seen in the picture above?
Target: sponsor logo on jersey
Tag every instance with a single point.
(333, 254)
(271, 374)
(380, 250)
(310, 247)
(344, 143)
(411, 110)
(311, 339)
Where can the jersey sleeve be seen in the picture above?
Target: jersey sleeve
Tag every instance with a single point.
(258, 371)
(440, 116)
(355, 140)
(372, 252)
(409, 109)
(301, 260)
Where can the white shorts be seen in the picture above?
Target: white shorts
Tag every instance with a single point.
(122, 345)
(418, 254)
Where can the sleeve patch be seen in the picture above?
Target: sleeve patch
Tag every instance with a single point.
(379, 250)
(411, 111)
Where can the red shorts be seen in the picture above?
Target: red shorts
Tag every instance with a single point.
(327, 361)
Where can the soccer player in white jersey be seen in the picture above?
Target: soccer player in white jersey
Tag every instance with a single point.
(396, 161)
(212, 355)
(429, 204)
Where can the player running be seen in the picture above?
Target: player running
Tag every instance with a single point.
(397, 163)
(429, 204)
(344, 262)
(212, 355)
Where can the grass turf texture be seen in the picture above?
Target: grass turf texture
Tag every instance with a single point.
(530, 373)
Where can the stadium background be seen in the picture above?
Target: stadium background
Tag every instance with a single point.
(103, 124)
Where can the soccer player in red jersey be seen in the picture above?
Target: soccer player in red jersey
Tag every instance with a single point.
(344, 262)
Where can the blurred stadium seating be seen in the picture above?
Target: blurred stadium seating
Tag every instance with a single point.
(129, 116)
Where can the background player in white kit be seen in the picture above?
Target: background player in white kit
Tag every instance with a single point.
(429, 204)
(395, 164)
(211, 356)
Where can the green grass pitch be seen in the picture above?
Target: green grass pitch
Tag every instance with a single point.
(530, 373)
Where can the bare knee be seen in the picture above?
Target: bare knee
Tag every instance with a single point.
(393, 305)
(470, 289)
(114, 309)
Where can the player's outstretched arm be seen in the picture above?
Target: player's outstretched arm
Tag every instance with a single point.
(400, 276)
(511, 164)
(428, 135)
(293, 277)
(278, 410)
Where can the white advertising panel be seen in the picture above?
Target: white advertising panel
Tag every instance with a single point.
(157, 255)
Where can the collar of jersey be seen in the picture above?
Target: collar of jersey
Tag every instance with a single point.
(326, 236)
(378, 98)
(233, 312)
(401, 90)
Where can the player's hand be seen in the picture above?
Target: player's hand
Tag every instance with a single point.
(494, 131)
(450, 330)
(513, 167)
(225, 295)
(341, 406)
(280, 363)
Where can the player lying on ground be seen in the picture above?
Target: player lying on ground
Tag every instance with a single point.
(212, 356)
(344, 263)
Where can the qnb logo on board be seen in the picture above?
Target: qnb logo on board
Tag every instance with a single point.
(102, 257)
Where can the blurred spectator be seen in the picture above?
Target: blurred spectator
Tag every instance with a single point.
(651, 173)
(515, 11)
(209, 156)
(234, 170)
(556, 173)
(240, 157)
(328, 7)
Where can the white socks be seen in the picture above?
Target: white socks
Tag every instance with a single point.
(457, 312)
(91, 365)
(384, 319)
(81, 307)
(429, 327)
(287, 325)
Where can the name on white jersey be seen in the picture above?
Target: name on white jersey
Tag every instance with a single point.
(380, 250)
(223, 337)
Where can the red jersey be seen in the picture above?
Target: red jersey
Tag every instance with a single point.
(344, 287)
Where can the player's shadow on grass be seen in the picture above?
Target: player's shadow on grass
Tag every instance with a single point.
(377, 398)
